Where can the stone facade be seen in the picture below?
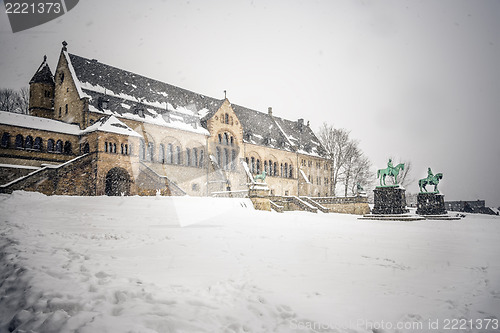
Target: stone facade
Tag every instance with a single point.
(162, 139)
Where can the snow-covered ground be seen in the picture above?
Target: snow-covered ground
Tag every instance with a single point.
(163, 264)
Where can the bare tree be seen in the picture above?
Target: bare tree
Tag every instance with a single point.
(335, 142)
(14, 101)
(8, 100)
(23, 101)
(361, 173)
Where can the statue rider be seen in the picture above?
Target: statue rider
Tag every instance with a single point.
(390, 168)
(430, 175)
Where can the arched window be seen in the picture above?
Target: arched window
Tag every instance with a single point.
(151, 151)
(106, 146)
(227, 118)
(179, 155)
(28, 144)
(67, 147)
(202, 156)
(218, 156)
(114, 148)
(161, 153)
(232, 141)
(59, 146)
(50, 145)
(233, 159)
(226, 139)
(188, 157)
(290, 171)
(195, 157)
(275, 169)
(19, 141)
(38, 144)
(142, 150)
(5, 140)
(265, 167)
(220, 138)
(281, 170)
(285, 174)
(122, 149)
(270, 172)
(170, 154)
(86, 147)
(226, 159)
(252, 167)
(258, 166)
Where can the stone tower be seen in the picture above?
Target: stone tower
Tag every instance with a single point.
(42, 92)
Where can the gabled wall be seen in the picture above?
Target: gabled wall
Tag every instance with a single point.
(68, 106)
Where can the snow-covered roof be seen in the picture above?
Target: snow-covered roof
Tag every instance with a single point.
(39, 123)
(106, 124)
(133, 96)
(111, 124)
(43, 73)
(260, 128)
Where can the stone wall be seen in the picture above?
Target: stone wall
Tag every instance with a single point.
(347, 205)
(76, 177)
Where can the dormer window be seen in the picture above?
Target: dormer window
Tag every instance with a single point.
(102, 103)
(139, 111)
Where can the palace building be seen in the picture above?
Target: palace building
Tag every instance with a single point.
(94, 129)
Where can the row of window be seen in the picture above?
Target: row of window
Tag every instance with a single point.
(36, 144)
(271, 168)
(190, 157)
(226, 119)
(65, 110)
(110, 147)
(226, 139)
(225, 158)
(309, 164)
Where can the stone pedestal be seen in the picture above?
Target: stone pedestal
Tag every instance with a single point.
(259, 195)
(430, 204)
(389, 200)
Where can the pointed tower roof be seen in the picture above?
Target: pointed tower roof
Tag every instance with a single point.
(43, 73)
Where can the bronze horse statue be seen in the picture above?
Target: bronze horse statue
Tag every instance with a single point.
(432, 180)
(261, 176)
(381, 173)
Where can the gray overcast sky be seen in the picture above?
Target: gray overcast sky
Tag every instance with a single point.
(418, 80)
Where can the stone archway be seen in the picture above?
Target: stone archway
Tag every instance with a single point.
(117, 182)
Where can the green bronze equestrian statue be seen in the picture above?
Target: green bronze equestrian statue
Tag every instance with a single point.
(390, 171)
(430, 180)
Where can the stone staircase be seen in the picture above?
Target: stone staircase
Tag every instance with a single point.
(276, 207)
(311, 201)
(57, 179)
(287, 203)
(161, 182)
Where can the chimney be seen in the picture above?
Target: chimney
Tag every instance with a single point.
(308, 123)
(300, 123)
(270, 111)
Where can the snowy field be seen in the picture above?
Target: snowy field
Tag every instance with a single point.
(163, 264)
